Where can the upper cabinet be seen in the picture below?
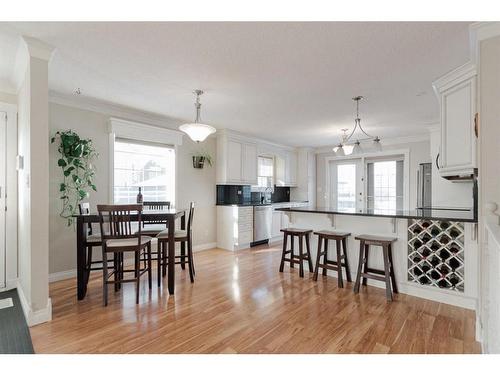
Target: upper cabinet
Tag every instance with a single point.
(236, 160)
(237, 157)
(456, 92)
(285, 168)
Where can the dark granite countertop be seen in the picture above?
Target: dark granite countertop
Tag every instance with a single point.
(465, 215)
(252, 204)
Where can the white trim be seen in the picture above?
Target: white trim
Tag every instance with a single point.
(69, 274)
(38, 49)
(34, 317)
(113, 109)
(478, 32)
(143, 132)
(362, 157)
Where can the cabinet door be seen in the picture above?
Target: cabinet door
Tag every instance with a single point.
(234, 153)
(292, 168)
(276, 224)
(249, 167)
(458, 143)
(279, 170)
(285, 221)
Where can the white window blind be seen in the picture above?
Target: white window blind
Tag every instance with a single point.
(265, 168)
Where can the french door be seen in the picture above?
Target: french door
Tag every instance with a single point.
(3, 165)
(346, 185)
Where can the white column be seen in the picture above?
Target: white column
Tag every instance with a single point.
(33, 180)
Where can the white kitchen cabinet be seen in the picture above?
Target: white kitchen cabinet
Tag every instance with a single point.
(276, 224)
(234, 227)
(456, 92)
(285, 168)
(236, 160)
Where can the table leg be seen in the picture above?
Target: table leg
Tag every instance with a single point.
(183, 244)
(171, 256)
(81, 235)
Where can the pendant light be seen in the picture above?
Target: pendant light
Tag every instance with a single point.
(357, 149)
(197, 131)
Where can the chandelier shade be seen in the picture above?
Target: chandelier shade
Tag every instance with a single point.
(196, 130)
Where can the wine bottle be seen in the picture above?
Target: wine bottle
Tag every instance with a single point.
(424, 280)
(442, 283)
(435, 231)
(454, 249)
(444, 225)
(416, 259)
(426, 224)
(417, 244)
(435, 261)
(444, 270)
(444, 254)
(425, 268)
(435, 246)
(416, 229)
(435, 275)
(454, 233)
(417, 271)
(454, 263)
(426, 238)
(425, 252)
(444, 239)
(139, 196)
(454, 280)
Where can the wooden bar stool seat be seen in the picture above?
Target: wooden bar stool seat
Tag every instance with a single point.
(364, 271)
(340, 239)
(301, 234)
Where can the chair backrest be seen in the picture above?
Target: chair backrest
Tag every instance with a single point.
(161, 205)
(118, 218)
(190, 218)
(84, 209)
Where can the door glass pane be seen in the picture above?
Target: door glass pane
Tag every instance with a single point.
(382, 185)
(346, 187)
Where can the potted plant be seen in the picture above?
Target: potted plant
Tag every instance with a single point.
(75, 161)
(200, 158)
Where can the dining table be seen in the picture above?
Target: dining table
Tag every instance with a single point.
(167, 216)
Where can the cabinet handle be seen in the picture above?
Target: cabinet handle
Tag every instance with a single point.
(476, 124)
(437, 161)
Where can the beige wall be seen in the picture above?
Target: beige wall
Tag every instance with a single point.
(419, 153)
(192, 184)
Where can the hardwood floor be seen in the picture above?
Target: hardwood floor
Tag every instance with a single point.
(240, 303)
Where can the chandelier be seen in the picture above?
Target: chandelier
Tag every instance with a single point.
(346, 138)
(197, 131)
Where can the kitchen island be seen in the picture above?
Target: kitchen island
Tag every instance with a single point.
(435, 256)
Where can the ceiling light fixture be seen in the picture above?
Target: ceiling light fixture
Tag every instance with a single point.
(197, 131)
(357, 149)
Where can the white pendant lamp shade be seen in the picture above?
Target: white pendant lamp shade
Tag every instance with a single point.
(197, 131)
(356, 150)
(377, 146)
(340, 151)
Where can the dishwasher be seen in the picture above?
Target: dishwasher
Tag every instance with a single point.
(262, 222)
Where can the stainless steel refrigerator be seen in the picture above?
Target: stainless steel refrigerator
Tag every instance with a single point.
(424, 185)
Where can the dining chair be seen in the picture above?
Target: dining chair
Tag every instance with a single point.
(93, 240)
(119, 237)
(179, 236)
(154, 227)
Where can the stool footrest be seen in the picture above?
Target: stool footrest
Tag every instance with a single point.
(373, 270)
(371, 276)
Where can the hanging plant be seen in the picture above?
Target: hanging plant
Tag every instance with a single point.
(76, 156)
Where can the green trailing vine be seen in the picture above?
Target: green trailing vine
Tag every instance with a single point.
(75, 160)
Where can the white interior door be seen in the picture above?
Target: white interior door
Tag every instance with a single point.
(346, 185)
(3, 165)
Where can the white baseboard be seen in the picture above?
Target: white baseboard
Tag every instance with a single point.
(34, 317)
(69, 274)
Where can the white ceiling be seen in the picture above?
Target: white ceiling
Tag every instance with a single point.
(287, 82)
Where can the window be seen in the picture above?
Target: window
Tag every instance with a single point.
(385, 184)
(265, 167)
(145, 165)
(346, 186)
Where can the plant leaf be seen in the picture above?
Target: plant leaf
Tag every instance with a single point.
(62, 163)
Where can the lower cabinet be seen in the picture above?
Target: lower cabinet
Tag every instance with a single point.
(234, 227)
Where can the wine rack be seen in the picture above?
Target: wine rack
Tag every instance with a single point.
(436, 253)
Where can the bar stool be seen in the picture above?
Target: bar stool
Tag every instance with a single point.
(335, 265)
(301, 234)
(366, 272)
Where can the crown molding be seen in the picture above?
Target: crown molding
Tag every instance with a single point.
(113, 110)
(386, 142)
(478, 32)
(38, 49)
